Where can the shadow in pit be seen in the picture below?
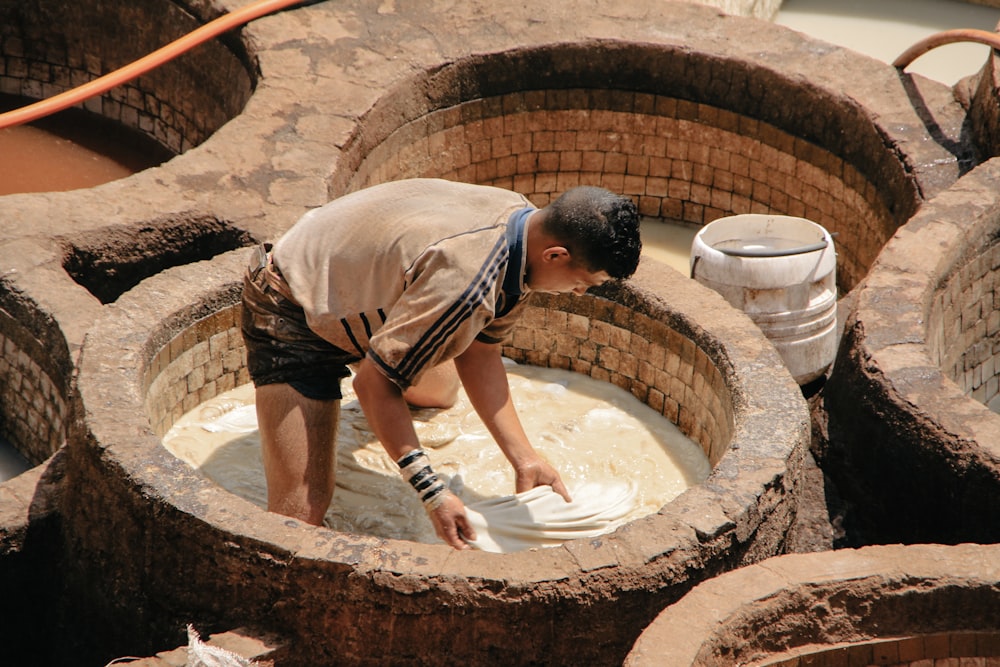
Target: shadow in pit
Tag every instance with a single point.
(110, 261)
(964, 148)
(31, 567)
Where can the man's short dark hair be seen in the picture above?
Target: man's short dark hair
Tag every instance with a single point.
(598, 227)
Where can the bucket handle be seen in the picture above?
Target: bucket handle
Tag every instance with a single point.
(762, 252)
(773, 252)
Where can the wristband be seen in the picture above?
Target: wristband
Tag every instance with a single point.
(415, 467)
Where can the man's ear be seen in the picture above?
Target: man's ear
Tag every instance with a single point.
(556, 253)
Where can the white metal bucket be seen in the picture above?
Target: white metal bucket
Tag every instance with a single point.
(782, 272)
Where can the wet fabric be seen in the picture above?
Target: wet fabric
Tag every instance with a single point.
(280, 345)
(541, 518)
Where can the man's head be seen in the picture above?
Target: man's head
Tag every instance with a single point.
(599, 228)
(587, 230)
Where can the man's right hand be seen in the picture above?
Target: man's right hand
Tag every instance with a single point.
(451, 523)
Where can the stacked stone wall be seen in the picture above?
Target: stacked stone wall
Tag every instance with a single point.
(33, 406)
(607, 341)
(965, 324)
(644, 356)
(197, 364)
(678, 160)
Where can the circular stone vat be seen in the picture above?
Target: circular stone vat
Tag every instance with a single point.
(47, 48)
(781, 271)
(690, 134)
(912, 443)
(173, 342)
(894, 605)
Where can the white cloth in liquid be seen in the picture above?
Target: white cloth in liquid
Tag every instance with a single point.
(542, 518)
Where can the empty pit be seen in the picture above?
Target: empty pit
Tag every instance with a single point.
(911, 439)
(327, 593)
(109, 261)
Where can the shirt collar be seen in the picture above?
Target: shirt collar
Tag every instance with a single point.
(513, 280)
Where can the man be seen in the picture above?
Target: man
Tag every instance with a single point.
(416, 283)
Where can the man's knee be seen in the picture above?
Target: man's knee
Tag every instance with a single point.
(438, 388)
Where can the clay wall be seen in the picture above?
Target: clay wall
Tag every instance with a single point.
(34, 364)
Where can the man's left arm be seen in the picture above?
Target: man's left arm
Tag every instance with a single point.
(481, 369)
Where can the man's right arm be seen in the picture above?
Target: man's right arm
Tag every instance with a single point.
(389, 417)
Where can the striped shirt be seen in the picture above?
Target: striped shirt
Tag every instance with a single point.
(409, 273)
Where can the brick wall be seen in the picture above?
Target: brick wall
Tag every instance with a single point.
(677, 159)
(964, 324)
(197, 364)
(610, 342)
(602, 339)
(32, 392)
(944, 649)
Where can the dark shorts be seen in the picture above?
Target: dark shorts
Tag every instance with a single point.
(281, 348)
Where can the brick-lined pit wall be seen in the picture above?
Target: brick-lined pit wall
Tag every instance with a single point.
(678, 160)
(688, 139)
(917, 364)
(47, 48)
(612, 343)
(984, 108)
(34, 372)
(599, 338)
(197, 364)
(965, 320)
(921, 606)
(943, 649)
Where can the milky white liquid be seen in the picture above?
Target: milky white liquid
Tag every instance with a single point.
(760, 243)
(668, 242)
(590, 431)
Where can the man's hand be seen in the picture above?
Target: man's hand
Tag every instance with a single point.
(450, 521)
(485, 380)
(537, 472)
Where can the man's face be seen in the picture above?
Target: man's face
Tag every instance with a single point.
(565, 277)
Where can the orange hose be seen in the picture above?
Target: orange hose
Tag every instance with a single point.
(134, 69)
(947, 37)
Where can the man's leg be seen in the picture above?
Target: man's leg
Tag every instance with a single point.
(298, 437)
(438, 388)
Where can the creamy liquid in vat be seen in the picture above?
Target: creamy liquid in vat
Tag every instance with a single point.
(591, 431)
(885, 29)
(759, 243)
(668, 241)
